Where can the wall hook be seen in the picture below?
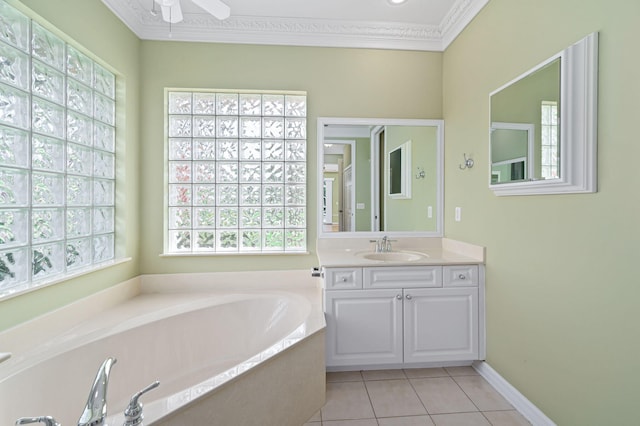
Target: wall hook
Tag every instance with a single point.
(468, 162)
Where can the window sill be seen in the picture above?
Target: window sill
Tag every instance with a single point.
(37, 285)
(279, 253)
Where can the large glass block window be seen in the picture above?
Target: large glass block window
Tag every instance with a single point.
(550, 147)
(237, 172)
(57, 156)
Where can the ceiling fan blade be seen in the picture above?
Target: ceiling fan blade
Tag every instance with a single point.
(215, 7)
(171, 10)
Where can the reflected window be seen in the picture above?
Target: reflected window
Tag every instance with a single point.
(549, 134)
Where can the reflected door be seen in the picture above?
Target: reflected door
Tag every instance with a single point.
(346, 221)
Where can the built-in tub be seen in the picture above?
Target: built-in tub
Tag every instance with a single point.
(224, 354)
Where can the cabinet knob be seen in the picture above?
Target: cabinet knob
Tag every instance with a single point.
(409, 297)
(344, 279)
(462, 276)
(399, 296)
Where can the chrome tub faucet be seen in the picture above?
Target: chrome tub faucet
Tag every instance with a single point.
(95, 412)
(47, 420)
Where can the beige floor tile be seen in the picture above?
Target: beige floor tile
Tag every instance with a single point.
(442, 395)
(346, 401)
(362, 422)
(392, 398)
(344, 376)
(506, 418)
(315, 418)
(414, 373)
(483, 395)
(406, 421)
(383, 374)
(461, 371)
(460, 419)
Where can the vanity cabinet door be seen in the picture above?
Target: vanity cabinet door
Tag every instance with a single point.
(364, 327)
(440, 324)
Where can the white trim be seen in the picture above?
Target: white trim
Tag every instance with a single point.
(374, 142)
(300, 32)
(525, 407)
(459, 16)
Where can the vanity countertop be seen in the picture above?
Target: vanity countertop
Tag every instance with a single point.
(348, 252)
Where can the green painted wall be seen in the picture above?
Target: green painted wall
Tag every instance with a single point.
(411, 214)
(563, 308)
(363, 184)
(95, 28)
(338, 82)
(507, 144)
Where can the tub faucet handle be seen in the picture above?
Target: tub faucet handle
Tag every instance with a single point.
(47, 420)
(133, 413)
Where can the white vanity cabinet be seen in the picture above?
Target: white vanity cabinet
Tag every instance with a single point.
(402, 315)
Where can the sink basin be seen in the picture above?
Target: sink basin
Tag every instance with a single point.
(393, 256)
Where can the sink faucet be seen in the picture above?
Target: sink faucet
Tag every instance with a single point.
(383, 245)
(95, 412)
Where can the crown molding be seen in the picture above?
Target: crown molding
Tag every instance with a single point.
(299, 32)
(458, 17)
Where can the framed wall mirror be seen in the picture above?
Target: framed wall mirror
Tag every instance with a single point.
(543, 127)
(384, 176)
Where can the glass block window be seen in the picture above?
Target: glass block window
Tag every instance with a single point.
(57, 156)
(237, 172)
(550, 148)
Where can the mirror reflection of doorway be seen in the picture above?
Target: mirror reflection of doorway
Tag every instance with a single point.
(378, 150)
(348, 215)
(327, 202)
(340, 169)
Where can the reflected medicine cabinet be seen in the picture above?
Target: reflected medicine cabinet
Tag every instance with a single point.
(526, 171)
(399, 171)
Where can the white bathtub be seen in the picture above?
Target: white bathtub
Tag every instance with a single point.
(224, 352)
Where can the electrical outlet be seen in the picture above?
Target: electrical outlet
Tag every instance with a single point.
(429, 212)
(458, 214)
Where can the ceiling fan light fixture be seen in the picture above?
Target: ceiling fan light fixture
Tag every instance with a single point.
(171, 10)
(215, 7)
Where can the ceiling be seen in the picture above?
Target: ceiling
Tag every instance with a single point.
(429, 25)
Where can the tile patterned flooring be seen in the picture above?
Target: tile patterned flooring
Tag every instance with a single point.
(452, 396)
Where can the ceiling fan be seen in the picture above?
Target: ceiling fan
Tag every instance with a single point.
(172, 12)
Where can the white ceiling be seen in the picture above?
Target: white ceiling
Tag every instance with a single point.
(416, 25)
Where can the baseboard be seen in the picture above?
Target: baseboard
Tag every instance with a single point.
(511, 394)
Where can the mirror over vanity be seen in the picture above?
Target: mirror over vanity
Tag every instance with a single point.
(380, 176)
(544, 126)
